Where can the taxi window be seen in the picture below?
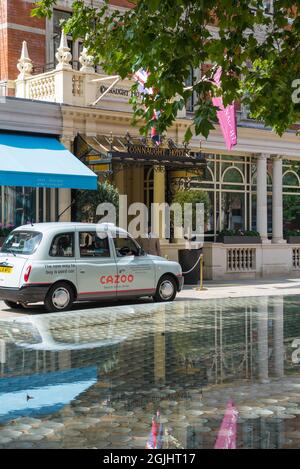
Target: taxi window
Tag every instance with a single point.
(22, 242)
(125, 246)
(93, 246)
(62, 245)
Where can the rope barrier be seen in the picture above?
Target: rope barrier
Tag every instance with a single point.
(194, 266)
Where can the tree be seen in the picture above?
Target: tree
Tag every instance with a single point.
(88, 201)
(196, 196)
(259, 54)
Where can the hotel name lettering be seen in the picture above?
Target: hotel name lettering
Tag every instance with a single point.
(127, 93)
(159, 151)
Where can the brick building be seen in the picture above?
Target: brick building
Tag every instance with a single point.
(42, 36)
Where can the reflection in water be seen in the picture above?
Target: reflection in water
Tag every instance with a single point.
(98, 377)
(155, 440)
(227, 434)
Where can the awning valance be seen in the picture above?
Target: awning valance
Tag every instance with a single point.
(34, 161)
(104, 149)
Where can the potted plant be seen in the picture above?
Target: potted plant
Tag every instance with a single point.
(293, 237)
(189, 258)
(239, 237)
(4, 232)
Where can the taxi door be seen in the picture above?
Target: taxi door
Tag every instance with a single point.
(96, 267)
(136, 273)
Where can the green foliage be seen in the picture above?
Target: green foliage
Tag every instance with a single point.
(259, 55)
(88, 201)
(251, 233)
(193, 197)
(5, 229)
(293, 233)
(291, 209)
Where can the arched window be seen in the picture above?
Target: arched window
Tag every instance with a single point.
(209, 176)
(233, 175)
(290, 178)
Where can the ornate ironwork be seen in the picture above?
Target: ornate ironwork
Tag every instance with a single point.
(128, 151)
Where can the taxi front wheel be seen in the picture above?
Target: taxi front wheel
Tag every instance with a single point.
(60, 297)
(166, 289)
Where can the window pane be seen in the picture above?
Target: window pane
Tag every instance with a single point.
(190, 101)
(233, 175)
(125, 247)
(233, 211)
(290, 179)
(22, 242)
(58, 17)
(291, 212)
(19, 205)
(62, 245)
(92, 246)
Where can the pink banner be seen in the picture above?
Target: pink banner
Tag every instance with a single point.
(227, 434)
(226, 116)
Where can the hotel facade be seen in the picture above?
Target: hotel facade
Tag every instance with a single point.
(256, 186)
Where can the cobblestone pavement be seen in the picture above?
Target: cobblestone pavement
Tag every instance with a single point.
(115, 376)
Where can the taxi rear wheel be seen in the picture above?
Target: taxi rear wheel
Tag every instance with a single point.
(12, 304)
(60, 297)
(166, 289)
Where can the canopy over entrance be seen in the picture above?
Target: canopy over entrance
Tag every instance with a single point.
(101, 151)
(34, 161)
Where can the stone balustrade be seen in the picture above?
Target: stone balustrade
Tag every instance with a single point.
(66, 85)
(240, 259)
(296, 258)
(224, 262)
(41, 88)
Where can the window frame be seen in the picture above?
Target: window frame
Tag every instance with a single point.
(63, 233)
(123, 237)
(94, 257)
(13, 232)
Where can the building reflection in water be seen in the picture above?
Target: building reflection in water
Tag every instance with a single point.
(186, 359)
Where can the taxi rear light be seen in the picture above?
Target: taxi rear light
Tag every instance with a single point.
(27, 273)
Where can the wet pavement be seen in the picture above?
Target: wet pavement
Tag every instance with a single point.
(132, 376)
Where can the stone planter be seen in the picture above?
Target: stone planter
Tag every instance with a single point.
(293, 239)
(240, 240)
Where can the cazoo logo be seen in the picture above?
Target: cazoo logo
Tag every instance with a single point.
(296, 353)
(116, 279)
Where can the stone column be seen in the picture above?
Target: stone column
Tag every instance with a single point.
(262, 339)
(277, 215)
(261, 198)
(159, 188)
(119, 178)
(64, 195)
(278, 337)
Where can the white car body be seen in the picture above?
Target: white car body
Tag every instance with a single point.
(26, 278)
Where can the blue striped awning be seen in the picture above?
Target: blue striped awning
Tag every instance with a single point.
(34, 161)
